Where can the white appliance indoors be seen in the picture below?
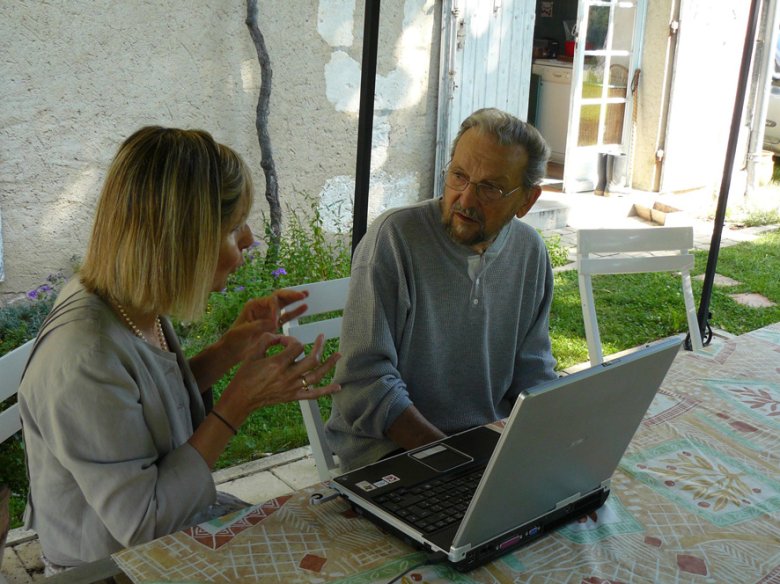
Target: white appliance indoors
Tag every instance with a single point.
(554, 99)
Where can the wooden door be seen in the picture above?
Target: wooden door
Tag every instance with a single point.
(485, 62)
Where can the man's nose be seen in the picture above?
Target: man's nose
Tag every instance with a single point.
(468, 196)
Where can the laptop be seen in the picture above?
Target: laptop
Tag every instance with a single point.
(479, 494)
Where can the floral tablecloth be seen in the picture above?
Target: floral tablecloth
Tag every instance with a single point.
(696, 499)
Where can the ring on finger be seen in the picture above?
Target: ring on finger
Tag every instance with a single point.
(305, 384)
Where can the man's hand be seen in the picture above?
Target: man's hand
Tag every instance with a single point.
(411, 429)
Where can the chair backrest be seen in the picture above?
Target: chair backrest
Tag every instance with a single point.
(324, 297)
(652, 249)
(11, 368)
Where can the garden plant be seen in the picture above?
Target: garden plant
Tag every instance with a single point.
(632, 309)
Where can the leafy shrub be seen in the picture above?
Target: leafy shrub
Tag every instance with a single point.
(20, 322)
(306, 253)
(559, 253)
(759, 217)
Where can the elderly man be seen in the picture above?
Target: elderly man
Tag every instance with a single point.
(447, 319)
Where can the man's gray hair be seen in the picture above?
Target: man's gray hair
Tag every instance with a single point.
(511, 131)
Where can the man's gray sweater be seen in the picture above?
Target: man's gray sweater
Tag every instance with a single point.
(429, 322)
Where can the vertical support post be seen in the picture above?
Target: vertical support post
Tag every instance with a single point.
(720, 213)
(365, 121)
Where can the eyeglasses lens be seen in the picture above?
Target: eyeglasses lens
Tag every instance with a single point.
(459, 182)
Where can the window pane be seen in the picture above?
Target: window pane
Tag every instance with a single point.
(623, 28)
(598, 22)
(589, 125)
(593, 77)
(618, 81)
(613, 127)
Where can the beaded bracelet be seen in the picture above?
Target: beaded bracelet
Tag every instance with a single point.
(224, 421)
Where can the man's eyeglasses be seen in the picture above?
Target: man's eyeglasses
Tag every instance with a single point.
(486, 193)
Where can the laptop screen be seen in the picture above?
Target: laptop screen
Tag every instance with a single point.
(556, 453)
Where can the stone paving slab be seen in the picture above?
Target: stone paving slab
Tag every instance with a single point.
(257, 488)
(752, 300)
(12, 570)
(719, 280)
(260, 480)
(22, 563)
(299, 474)
(261, 464)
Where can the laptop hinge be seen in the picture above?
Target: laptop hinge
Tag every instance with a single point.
(568, 501)
(605, 484)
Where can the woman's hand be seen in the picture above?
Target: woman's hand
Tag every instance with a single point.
(267, 310)
(264, 380)
(259, 316)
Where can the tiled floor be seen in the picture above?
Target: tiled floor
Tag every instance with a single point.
(276, 475)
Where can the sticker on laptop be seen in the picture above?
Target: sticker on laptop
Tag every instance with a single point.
(390, 478)
(366, 486)
(381, 483)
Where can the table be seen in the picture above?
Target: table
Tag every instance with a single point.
(695, 499)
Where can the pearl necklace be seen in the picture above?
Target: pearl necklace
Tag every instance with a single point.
(137, 331)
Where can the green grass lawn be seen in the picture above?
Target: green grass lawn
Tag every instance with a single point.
(636, 308)
(757, 267)
(632, 310)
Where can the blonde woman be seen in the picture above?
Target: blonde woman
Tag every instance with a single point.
(119, 443)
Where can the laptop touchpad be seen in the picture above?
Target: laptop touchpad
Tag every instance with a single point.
(441, 457)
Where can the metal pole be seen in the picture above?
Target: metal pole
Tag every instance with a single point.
(720, 214)
(365, 121)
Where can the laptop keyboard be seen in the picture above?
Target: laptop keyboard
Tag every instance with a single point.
(433, 505)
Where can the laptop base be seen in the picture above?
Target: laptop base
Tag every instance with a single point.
(533, 530)
(578, 428)
(507, 542)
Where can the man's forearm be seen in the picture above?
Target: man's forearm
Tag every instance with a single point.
(411, 429)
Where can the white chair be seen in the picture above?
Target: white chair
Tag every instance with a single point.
(11, 367)
(324, 297)
(599, 251)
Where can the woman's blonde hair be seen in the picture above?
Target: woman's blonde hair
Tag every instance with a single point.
(167, 199)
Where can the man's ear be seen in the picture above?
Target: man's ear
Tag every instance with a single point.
(531, 197)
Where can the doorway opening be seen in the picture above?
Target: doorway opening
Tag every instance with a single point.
(584, 56)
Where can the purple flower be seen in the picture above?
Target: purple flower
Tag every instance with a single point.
(238, 289)
(254, 244)
(278, 272)
(40, 291)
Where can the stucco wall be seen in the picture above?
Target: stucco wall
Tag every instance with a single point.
(687, 94)
(78, 77)
(653, 94)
